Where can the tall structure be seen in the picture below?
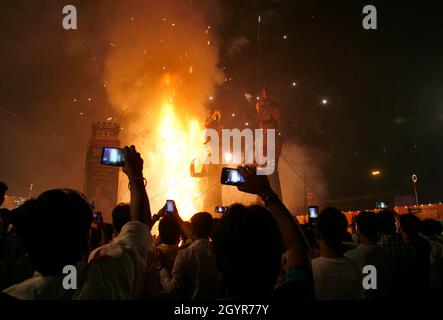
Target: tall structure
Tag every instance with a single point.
(101, 182)
(210, 173)
(268, 116)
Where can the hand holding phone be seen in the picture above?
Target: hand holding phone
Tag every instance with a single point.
(113, 157)
(313, 212)
(232, 177)
(170, 207)
(254, 183)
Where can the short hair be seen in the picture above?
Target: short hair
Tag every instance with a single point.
(169, 230)
(367, 223)
(121, 215)
(386, 220)
(431, 227)
(201, 224)
(248, 247)
(410, 224)
(331, 226)
(3, 188)
(55, 229)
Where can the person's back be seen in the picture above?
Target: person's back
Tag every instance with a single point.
(368, 253)
(402, 256)
(335, 276)
(431, 230)
(55, 231)
(410, 229)
(169, 234)
(194, 274)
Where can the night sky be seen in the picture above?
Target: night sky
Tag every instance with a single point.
(384, 88)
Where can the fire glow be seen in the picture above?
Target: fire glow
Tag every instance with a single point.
(158, 79)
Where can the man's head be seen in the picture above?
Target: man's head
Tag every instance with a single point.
(121, 215)
(386, 220)
(3, 189)
(55, 229)
(201, 225)
(409, 226)
(431, 227)
(331, 227)
(248, 247)
(367, 225)
(169, 230)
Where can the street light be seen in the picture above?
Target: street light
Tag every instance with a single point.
(414, 182)
(376, 174)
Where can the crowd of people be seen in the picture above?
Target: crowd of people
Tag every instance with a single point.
(258, 251)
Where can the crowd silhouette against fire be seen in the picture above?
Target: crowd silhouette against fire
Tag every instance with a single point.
(258, 251)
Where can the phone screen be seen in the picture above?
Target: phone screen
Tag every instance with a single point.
(220, 209)
(232, 177)
(170, 206)
(381, 205)
(113, 157)
(313, 212)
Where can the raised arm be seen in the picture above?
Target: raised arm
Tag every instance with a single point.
(293, 237)
(139, 204)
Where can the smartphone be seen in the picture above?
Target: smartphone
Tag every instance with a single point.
(113, 157)
(232, 177)
(313, 212)
(381, 205)
(170, 206)
(220, 209)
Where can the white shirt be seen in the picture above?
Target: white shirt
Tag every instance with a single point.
(194, 275)
(335, 279)
(373, 255)
(115, 275)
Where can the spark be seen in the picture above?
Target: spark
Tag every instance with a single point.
(233, 114)
(324, 101)
(112, 45)
(285, 37)
(132, 19)
(211, 98)
(294, 84)
(247, 124)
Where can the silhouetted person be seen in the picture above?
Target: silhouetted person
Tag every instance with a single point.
(55, 228)
(121, 215)
(249, 244)
(368, 253)
(431, 230)
(335, 276)
(3, 189)
(403, 258)
(169, 233)
(410, 229)
(194, 274)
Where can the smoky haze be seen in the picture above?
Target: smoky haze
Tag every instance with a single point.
(125, 59)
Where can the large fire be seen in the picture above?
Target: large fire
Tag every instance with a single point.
(160, 70)
(178, 139)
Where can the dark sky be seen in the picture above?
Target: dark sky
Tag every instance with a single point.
(384, 87)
